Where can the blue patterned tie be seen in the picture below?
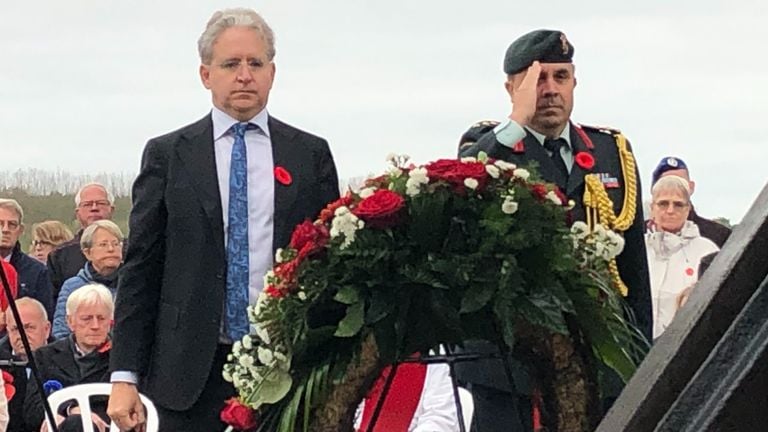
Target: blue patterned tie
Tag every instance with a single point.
(237, 239)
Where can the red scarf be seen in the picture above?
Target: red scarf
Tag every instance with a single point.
(13, 280)
(401, 400)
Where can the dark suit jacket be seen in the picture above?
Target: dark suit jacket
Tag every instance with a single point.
(56, 361)
(632, 262)
(16, 404)
(172, 285)
(64, 262)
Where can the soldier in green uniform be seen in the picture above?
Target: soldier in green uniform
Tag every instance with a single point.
(578, 158)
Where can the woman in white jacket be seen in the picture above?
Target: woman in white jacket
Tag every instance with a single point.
(675, 249)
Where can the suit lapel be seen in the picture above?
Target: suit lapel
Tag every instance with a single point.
(535, 151)
(196, 152)
(64, 358)
(285, 154)
(576, 177)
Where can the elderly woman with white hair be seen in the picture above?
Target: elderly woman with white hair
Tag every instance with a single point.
(102, 245)
(675, 249)
(82, 357)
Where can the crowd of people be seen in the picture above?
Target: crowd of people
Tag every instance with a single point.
(208, 215)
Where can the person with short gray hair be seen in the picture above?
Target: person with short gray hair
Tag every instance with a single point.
(211, 203)
(93, 202)
(102, 245)
(675, 249)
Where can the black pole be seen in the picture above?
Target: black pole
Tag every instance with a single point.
(25, 341)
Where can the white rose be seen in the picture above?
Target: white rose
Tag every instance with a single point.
(552, 196)
(504, 165)
(471, 183)
(492, 171)
(509, 207)
(366, 192)
(521, 173)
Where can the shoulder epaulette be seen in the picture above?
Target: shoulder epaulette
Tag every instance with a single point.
(602, 129)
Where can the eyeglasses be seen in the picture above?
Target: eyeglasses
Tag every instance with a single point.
(97, 203)
(677, 205)
(106, 245)
(41, 243)
(11, 225)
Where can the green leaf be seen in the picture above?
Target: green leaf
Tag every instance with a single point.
(347, 295)
(381, 306)
(476, 297)
(353, 322)
(274, 388)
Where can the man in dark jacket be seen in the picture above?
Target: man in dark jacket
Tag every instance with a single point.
(80, 358)
(33, 276)
(708, 228)
(541, 81)
(92, 202)
(38, 330)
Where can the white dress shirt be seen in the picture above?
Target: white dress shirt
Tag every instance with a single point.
(261, 190)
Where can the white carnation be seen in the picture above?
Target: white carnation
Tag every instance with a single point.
(416, 178)
(265, 356)
(279, 255)
(471, 183)
(262, 333)
(579, 230)
(247, 342)
(246, 361)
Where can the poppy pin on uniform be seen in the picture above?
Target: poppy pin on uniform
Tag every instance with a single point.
(283, 176)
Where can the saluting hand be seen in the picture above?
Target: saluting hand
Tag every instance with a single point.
(525, 95)
(125, 407)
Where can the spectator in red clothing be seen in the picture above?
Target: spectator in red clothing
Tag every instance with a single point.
(13, 280)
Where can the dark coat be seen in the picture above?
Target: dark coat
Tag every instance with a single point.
(16, 404)
(632, 262)
(56, 361)
(64, 262)
(710, 229)
(33, 278)
(173, 284)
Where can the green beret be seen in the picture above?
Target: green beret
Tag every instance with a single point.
(546, 46)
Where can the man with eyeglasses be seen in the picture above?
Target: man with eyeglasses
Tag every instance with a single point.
(674, 166)
(33, 275)
(92, 202)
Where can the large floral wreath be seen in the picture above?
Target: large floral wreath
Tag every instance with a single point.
(421, 256)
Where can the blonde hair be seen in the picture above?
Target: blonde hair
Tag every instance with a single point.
(51, 231)
(12, 204)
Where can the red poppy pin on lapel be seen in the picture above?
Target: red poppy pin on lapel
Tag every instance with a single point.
(283, 176)
(585, 160)
(689, 271)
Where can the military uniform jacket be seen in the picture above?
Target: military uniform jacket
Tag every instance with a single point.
(601, 145)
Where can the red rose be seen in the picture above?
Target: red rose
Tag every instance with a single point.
(9, 388)
(585, 160)
(283, 176)
(308, 237)
(455, 172)
(326, 215)
(539, 191)
(380, 210)
(238, 415)
(273, 291)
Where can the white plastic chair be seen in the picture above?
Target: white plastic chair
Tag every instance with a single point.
(82, 394)
(467, 407)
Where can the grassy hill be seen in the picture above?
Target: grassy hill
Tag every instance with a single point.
(57, 206)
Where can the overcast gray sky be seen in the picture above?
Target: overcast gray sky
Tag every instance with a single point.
(84, 83)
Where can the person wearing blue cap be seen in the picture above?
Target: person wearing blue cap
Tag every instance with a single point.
(708, 228)
(540, 80)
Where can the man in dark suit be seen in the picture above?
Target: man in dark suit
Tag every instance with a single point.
(184, 290)
(38, 329)
(33, 276)
(540, 82)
